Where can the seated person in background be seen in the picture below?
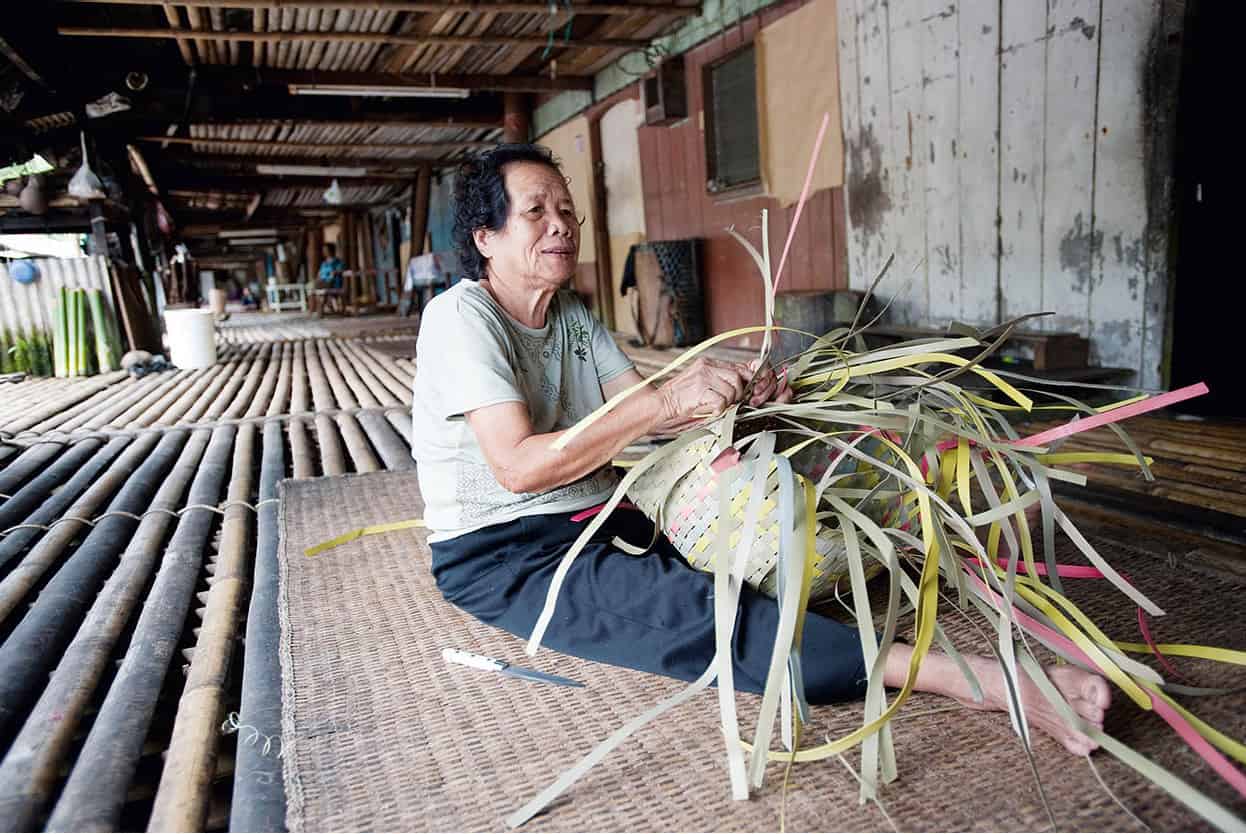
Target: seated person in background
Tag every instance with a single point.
(329, 279)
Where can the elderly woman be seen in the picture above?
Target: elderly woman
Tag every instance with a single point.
(507, 363)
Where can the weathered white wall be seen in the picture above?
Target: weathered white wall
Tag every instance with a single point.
(1018, 154)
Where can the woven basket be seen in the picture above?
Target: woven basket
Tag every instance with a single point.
(689, 516)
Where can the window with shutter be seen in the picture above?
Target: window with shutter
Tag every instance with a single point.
(732, 149)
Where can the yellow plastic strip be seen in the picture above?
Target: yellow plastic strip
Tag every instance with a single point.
(919, 359)
(1233, 656)
(1091, 457)
(963, 473)
(409, 524)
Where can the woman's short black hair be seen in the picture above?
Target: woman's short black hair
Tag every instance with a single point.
(480, 199)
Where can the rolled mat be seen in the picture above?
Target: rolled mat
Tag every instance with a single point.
(379, 733)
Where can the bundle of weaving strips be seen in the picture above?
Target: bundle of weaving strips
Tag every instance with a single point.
(888, 459)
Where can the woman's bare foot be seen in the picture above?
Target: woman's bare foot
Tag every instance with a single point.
(1087, 693)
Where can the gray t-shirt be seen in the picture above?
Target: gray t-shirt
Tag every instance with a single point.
(470, 354)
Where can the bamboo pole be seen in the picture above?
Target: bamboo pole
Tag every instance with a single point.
(172, 393)
(26, 464)
(182, 797)
(259, 801)
(299, 379)
(337, 383)
(643, 8)
(386, 441)
(332, 456)
(381, 38)
(316, 147)
(34, 646)
(28, 498)
(101, 403)
(350, 374)
(31, 770)
(322, 394)
(268, 385)
(357, 444)
(250, 384)
(53, 508)
(189, 397)
(159, 388)
(402, 423)
(302, 461)
(280, 401)
(95, 792)
(383, 375)
(237, 375)
(221, 377)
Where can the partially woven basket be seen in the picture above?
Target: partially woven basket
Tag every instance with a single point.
(682, 492)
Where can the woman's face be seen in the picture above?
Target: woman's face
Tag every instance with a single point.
(540, 243)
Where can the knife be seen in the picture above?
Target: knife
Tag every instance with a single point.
(489, 664)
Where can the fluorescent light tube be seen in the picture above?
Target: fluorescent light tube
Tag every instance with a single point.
(394, 91)
(310, 170)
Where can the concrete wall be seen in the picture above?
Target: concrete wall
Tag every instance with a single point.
(1016, 156)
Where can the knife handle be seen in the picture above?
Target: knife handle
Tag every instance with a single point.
(476, 661)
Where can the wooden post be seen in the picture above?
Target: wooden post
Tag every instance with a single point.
(517, 117)
(604, 301)
(421, 190)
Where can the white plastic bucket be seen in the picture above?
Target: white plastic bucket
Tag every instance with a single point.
(192, 337)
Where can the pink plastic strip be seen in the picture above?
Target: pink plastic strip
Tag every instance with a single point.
(1174, 719)
(804, 195)
(592, 511)
(1200, 745)
(1115, 415)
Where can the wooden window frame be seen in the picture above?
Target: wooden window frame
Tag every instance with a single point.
(738, 190)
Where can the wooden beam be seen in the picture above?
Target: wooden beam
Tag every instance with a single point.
(637, 9)
(352, 37)
(208, 182)
(18, 61)
(313, 147)
(234, 80)
(174, 18)
(374, 164)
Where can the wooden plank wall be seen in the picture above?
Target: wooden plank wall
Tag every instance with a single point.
(677, 205)
(1010, 153)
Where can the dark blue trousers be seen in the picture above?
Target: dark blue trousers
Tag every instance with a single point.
(653, 613)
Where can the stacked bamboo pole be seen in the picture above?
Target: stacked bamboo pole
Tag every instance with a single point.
(96, 789)
(29, 772)
(55, 506)
(75, 450)
(33, 648)
(259, 802)
(182, 798)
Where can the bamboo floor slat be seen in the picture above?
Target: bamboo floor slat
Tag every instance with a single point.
(124, 632)
(1199, 463)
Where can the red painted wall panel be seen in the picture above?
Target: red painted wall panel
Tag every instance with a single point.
(677, 206)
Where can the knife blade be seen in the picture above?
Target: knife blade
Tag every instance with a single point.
(489, 664)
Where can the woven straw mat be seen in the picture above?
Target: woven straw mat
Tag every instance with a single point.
(380, 733)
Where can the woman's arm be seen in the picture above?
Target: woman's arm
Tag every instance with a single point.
(524, 461)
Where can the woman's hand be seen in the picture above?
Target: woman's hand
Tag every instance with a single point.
(706, 388)
(767, 385)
